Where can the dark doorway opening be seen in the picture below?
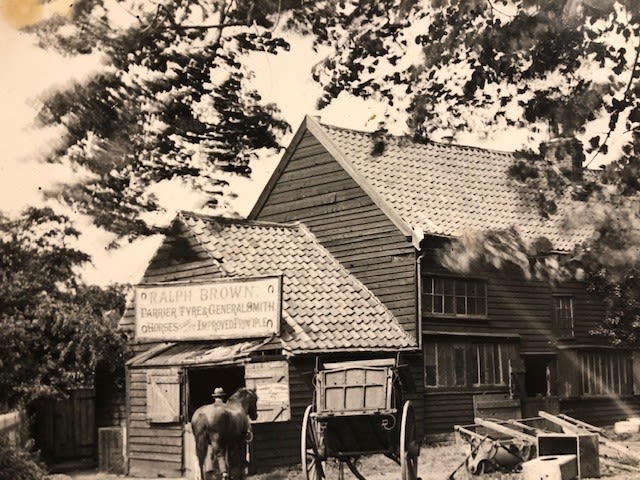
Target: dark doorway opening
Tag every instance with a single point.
(538, 376)
(202, 382)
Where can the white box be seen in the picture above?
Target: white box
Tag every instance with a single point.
(551, 467)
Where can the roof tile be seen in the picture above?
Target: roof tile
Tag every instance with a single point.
(324, 307)
(447, 190)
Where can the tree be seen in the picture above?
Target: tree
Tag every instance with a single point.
(552, 67)
(54, 330)
(171, 102)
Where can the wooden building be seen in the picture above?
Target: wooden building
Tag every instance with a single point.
(383, 206)
(229, 303)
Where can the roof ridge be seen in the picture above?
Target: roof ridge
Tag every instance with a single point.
(415, 142)
(210, 253)
(229, 220)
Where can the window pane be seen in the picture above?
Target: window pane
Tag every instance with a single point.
(427, 304)
(427, 285)
(472, 310)
(461, 288)
(448, 287)
(448, 304)
(459, 361)
(475, 366)
(481, 306)
(437, 304)
(461, 308)
(438, 285)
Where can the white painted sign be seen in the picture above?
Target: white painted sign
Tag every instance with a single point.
(226, 309)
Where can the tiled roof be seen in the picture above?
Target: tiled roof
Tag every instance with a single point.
(324, 307)
(447, 190)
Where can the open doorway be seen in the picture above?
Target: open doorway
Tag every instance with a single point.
(538, 371)
(540, 385)
(202, 382)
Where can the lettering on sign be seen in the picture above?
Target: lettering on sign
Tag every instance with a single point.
(239, 308)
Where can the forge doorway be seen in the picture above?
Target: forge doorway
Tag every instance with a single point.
(202, 382)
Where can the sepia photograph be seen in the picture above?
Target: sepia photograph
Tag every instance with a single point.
(319, 239)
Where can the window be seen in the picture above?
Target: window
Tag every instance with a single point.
(606, 373)
(467, 364)
(563, 316)
(454, 296)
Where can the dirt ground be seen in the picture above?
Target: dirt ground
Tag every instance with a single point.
(437, 462)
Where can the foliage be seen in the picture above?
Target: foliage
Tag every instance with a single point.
(55, 330)
(19, 464)
(171, 102)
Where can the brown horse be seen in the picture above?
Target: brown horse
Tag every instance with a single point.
(225, 427)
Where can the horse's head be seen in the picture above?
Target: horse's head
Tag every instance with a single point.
(248, 398)
(252, 404)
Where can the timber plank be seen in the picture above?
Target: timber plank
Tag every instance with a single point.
(153, 447)
(337, 185)
(148, 432)
(317, 202)
(310, 172)
(312, 202)
(137, 438)
(323, 179)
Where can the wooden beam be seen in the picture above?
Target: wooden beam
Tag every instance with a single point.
(567, 426)
(580, 423)
(505, 430)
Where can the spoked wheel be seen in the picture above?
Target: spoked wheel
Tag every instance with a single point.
(309, 448)
(409, 444)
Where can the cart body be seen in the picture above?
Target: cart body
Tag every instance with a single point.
(355, 412)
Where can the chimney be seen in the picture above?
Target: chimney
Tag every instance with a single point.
(567, 153)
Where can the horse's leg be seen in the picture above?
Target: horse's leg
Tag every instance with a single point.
(202, 446)
(220, 459)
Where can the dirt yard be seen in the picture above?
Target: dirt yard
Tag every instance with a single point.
(437, 462)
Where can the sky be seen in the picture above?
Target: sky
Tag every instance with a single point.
(29, 71)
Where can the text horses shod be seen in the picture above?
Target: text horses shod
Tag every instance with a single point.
(358, 410)
(225, 427)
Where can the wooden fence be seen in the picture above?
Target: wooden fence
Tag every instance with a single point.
(11, 428)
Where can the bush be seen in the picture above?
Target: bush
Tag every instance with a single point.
(19, 464)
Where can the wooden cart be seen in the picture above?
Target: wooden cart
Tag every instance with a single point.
(358, 410)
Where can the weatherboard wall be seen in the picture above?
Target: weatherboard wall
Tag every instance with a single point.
(313, 188)
(520, 306)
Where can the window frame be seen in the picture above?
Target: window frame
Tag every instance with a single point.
(475, 370)
(608, 372)
(558, 323)
(452, 292)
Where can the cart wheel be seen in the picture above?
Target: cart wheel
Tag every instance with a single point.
(409, 444)
(309, 456)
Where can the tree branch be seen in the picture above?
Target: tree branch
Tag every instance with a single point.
(626, 92)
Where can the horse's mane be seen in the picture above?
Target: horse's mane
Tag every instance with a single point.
(242, 392)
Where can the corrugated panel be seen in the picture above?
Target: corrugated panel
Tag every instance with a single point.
(189, 353)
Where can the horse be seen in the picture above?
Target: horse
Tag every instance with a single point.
(225, 427)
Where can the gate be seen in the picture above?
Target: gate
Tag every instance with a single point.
(66, 429)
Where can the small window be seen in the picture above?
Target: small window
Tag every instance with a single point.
(563, 316)
(454, 296)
